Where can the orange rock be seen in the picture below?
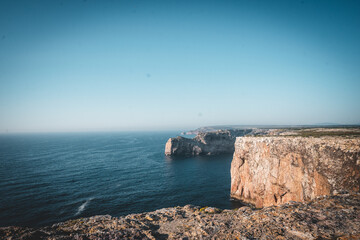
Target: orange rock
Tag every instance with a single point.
(273, 170)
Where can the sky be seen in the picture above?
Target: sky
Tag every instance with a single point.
(71, 65)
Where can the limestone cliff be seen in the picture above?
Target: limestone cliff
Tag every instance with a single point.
(205, 143)
(273, 170)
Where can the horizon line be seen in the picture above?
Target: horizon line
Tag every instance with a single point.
(179, 129)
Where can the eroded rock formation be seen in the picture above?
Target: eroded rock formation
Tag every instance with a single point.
(330, 217)
(274, 170)
(205, 143)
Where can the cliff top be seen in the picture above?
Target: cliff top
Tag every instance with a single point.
(329, 217)
(312, 132)
(342, 141)
(266, 127)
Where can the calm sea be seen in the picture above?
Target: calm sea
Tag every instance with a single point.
(47, 178)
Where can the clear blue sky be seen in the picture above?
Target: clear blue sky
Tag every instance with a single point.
(75, 65)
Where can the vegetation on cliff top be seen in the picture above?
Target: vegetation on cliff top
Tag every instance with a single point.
(312, 132)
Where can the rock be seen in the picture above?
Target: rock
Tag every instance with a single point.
(190, 207)
(274, 170)
(332, 217)
(244, 209)
(182, 147)
(212, 210)
(205, 143)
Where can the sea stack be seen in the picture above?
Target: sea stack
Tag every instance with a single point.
(274, 170)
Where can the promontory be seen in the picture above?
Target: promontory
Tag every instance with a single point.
(273, 170)
(204, 143)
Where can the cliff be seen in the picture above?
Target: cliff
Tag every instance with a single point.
(205, 143)
(329, 217)
(274, 170)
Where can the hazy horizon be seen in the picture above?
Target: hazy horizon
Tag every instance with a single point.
(175, 130)
(177, 65)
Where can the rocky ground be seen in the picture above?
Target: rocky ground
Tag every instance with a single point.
(330, 217)
(312, 132)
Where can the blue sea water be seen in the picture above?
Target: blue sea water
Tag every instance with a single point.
(48, 178)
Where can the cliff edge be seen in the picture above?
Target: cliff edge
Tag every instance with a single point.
(329, 217)
(274, 170)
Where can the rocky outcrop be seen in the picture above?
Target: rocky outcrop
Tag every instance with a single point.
(274, 170)
(205, 143)
(331, 217)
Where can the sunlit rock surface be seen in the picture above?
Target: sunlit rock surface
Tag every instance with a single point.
(274, 170)
(329, 217)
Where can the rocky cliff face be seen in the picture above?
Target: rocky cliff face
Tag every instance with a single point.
(273, 170)
(205, 143)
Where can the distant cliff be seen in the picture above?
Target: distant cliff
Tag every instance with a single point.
(205, 143)
(274, 170)
(210, 141)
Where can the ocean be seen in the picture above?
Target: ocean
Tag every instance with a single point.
(49, 178)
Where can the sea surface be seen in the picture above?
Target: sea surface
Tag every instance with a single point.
(48, 178)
